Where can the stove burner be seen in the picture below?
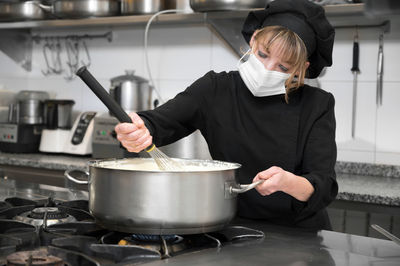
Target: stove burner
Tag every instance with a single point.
(38, 216)
(37, 257)
(156, 238)
(4, 205)
(52, 213)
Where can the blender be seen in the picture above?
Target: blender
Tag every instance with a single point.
(58, 123)
(22, 132)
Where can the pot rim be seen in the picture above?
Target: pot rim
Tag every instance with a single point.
(228, 165)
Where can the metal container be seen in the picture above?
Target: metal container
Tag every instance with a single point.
(141, 6)
(58, 114)
(82, 8)
(133, 93)
(29, 109)
(193, 146)
(178, 4)
(162, 202)
(220, 5)
(24, 10)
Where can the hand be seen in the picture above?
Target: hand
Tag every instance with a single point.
(134, 136)
(276, 179)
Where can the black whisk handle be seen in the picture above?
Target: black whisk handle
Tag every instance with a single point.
(103, 95)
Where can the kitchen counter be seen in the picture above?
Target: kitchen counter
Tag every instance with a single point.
(288, 246)
(358, 182)
(280, 246)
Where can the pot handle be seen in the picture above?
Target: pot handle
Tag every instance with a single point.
(45, 8)
(245, 188)
(68, 175)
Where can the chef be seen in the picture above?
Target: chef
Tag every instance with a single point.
(263, 116)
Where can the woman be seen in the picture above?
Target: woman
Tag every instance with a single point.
(263, 117)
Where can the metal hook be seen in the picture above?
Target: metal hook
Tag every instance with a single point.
(87, 64)
(69, 47)
(46, 48)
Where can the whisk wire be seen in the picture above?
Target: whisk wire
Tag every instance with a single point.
(163, 162)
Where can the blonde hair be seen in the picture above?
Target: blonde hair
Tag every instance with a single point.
(291, 49)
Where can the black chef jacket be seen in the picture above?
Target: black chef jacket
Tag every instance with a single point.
(259, 132)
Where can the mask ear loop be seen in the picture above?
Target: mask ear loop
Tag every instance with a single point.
(241, 58)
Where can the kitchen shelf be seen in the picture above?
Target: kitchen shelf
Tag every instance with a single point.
(342, 15)
(16, 39)
(106, 21)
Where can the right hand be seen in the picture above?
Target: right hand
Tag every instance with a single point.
(134, 136)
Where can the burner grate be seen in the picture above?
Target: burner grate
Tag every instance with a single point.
(51, 213)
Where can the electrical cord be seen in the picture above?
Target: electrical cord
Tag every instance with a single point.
(145, 47)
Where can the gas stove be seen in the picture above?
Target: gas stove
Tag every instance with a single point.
(52, 232)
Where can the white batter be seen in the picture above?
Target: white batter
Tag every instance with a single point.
(144, 164)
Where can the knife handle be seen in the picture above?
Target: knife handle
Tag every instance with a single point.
(356, 54)
(379, 81)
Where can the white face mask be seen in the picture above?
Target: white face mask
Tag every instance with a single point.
(260, 81)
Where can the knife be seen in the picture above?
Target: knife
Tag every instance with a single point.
(355, 70)
(379, 80)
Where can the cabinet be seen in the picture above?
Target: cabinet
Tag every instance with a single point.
(16, 39)
(356, 218)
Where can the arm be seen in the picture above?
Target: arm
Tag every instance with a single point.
(171, 121)
(181, 115)
(315, 186)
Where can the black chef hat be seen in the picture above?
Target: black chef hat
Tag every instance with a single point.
(304, 18)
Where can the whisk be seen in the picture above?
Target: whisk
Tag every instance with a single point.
(162, 160)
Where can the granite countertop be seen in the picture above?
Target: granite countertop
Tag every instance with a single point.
(360, 182)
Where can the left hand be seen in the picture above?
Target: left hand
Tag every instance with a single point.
(276, 179)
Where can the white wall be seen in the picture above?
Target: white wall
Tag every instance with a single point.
(180, 54)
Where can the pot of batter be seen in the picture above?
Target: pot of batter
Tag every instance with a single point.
(134, 196)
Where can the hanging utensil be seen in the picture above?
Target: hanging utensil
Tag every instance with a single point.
(386, 233)
(379, 80)
(46, 52)
(355, 70)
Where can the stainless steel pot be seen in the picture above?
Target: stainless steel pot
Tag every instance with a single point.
(141, 6)
(132, 92)
(82, 8)
(220, 5)
(26, 10)
(161, 202)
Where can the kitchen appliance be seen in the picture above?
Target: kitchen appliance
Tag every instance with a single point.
(22, 132)
(139, 7)
(84, 242)
(133, 94)
(63, 232)
(221, 5)
(104, 140)
(58, 117)
(163, 202)
(80, 139)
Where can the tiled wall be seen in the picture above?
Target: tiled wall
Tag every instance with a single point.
(180, 54)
